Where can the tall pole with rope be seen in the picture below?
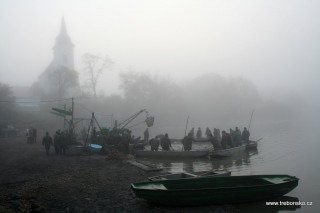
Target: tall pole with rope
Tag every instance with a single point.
(250, 119)
(185, 131)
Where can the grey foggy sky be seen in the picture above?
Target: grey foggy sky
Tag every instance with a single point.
(275, 44)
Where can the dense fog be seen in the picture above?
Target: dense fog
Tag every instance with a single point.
(213, 61)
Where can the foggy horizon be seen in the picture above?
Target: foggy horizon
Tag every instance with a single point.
(273, 45)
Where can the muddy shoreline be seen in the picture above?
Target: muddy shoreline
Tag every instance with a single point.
(30, 181)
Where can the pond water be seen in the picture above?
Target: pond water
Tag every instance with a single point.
(285, 149)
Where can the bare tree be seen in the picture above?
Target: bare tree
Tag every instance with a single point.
(64, 79)
(94, 66)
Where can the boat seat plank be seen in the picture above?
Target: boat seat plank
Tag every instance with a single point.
(157, 186)
(276, 180)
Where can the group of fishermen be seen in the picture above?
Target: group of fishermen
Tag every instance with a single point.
(230, 139)
(219, 140)
(160, 140)
(60, 141)
(116, 139)
(121, 140)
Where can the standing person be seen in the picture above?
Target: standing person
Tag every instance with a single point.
(146, 136)
(47, 142)
(216, 134)
(215, 142)
(192, 132)
(63, 143)
(34, 133)
(154, 144)
(56, 142)
(245, 135)
(208, 133)
(224, 140)
(230, 142)
(237, 137)
(187, 142)
(165, 143)
(199, 133)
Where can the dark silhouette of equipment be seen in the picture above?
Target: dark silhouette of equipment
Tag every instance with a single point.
(149, 120)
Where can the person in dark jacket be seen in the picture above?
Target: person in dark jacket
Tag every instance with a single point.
(47, 142)
(154, 144)
(146, 136)
(165, 143)
(187, 142)
(237, 137)
(224, 140)
(245, 135)
(63, 142)
(199, 133)
(56, 142)
(208, 133)
(215, 142)
(230, 142)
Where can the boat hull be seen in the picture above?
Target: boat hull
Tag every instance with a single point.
(252, 145)
(189, 175)
(228, 152)
(171, 154)
(214, 190)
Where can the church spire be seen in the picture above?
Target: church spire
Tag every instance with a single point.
(63, 48)
(63, 28)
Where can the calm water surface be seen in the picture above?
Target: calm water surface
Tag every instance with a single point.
(284, 149)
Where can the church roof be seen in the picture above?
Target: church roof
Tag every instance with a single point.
(63, 38)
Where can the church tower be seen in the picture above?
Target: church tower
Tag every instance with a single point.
(63, 49)
(59, 79)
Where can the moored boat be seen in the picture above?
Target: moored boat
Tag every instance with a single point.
(172, 154)
(95, 147)
(228, 152)
(214, 190)
(189, 175)
(252, 145)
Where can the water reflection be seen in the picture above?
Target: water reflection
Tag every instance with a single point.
(236, 163)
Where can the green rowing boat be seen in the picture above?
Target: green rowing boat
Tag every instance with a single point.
(214, 190)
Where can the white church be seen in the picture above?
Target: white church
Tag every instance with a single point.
(59, 79)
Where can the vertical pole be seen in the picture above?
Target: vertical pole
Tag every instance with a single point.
(185, 131)
(91, 124)
(71, 122)
(250, 119)
(64, 117)
(112, 122)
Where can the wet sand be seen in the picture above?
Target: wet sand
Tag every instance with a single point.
(30, 181)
